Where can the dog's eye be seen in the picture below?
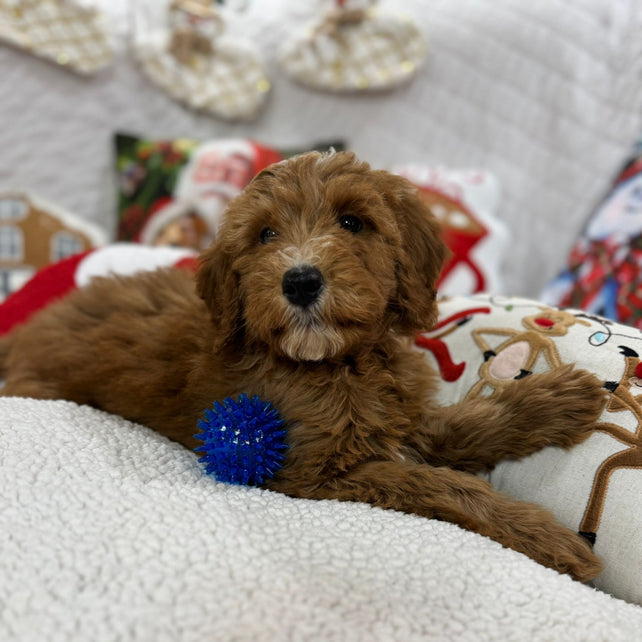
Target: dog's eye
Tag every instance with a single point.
(351, 223)
(267, 235)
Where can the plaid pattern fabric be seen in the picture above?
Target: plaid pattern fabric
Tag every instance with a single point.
(229, 84)
(59, 30)
(378, 52)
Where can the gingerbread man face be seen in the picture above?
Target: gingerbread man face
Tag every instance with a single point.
(551, 322)
(631, 379)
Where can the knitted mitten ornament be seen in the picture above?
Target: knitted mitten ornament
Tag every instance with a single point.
(201, 67)
(355, 48)
(62, 31)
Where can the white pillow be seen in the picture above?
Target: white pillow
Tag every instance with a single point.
(465, 203)
(595, 487)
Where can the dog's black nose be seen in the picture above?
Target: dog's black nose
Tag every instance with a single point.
(302, 285)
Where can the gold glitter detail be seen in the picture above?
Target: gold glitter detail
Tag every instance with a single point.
(407, 66)
(62, 58)
(263, 85)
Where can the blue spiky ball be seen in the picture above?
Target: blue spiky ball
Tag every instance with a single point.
(243, 441)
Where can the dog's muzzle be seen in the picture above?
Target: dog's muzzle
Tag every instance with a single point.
(302, 285)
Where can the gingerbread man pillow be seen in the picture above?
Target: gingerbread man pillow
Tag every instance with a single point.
(484, 343)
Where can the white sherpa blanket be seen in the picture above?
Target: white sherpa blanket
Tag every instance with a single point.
(110, 532)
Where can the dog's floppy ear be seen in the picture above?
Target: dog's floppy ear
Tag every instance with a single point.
(218, 285)
(421, 257)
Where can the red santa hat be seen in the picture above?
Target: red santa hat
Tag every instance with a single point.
(59, 279)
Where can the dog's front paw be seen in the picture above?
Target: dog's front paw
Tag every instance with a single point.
(580, 398)
(568, 401)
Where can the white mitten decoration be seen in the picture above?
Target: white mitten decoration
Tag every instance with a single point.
(196, 64)
(62, 31)
(355, 49)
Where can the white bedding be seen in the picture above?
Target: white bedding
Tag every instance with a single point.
(110, 532)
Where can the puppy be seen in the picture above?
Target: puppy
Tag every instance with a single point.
(322, 272)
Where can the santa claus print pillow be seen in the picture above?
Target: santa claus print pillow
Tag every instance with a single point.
(173, 192)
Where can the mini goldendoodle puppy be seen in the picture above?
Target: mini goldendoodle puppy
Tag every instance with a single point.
(320, 276)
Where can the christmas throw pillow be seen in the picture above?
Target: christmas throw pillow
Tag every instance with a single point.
(55, 281)
(173, 192)
(483, 343)
(464, 203)
(604, 268)
(34, 233)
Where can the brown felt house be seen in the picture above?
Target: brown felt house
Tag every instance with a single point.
(33, 234)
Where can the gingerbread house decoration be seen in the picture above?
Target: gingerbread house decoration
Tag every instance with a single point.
(34, 233)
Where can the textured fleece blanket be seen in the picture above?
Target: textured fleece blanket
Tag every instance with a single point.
(110, 532)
